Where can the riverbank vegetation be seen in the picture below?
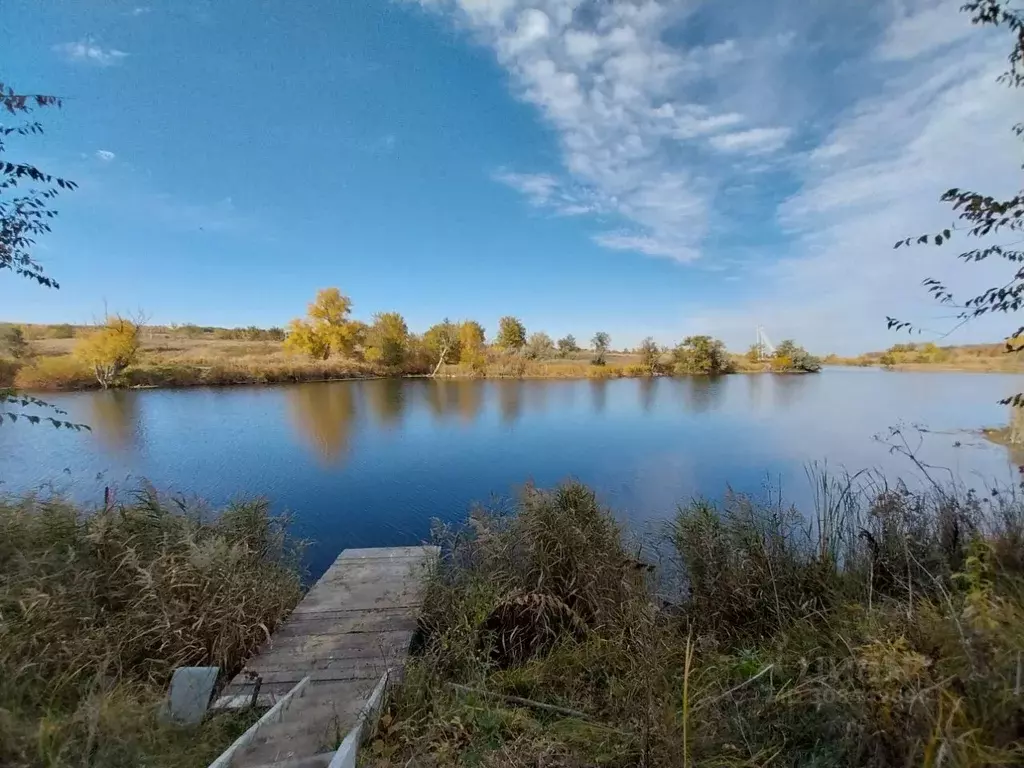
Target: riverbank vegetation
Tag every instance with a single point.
(98, 607)
(995, 358)
(329, 344)
(884, 628)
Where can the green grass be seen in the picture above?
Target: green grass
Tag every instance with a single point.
(98, 608)
(886, 627)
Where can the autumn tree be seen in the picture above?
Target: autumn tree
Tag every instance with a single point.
(109, 349)
(471, 344)
(387, 339)
(327, 329)
(982, 216)
(443, 341)
(511, 334)
(700, 355)
(539, 346)
(650, 355)
(601, 343)
(567, 345)
(304, 338)
(790, 357)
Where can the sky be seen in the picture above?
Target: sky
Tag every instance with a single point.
(644, 167)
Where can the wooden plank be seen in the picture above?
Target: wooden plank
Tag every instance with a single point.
(355, 624)
(422, 553)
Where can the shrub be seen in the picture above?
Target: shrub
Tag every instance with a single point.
(705, 355)
(110, 349)
(99, 608)
(62, 331)
(12, 341)
(54, 373)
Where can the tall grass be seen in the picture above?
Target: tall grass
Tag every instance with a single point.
(96, 610)
(885, 627)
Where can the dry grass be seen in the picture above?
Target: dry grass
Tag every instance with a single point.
(886, 630)
(978, 358)
(98, 609)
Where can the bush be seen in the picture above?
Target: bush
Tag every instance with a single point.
(62, 331)
(99, 608)
(109, 349)
(54, 373)
(882, 628)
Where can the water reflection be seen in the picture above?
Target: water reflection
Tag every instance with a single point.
(324, 414)
(114, 419)
(599, 394)
(510, 400)
(450, 397)
(789, 388)
(701, 394)
(647, 390)
(386, 399)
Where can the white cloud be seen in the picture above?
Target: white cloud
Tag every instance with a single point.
(104, 155)
(753, 141)
(89, 52)
(140, 10)
(624, 105)
(856, 116)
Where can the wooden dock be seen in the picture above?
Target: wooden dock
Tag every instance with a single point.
(352, 627)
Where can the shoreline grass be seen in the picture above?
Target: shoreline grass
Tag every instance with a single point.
(886, 629)
(98, 607)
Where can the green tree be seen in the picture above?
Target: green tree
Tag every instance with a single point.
(791, 357)
(443, 341)
(601, 343)
(12, 341)
(511, 334)
(701, 355)
(985, 216)
(650, 355)
(540, 346)
(109, 349)
(387, 339)
(567, 345)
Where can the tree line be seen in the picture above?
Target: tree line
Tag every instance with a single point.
(328, 329)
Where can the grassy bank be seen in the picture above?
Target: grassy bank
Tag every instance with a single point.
(96, 611)
(977, 358)
(887, 630)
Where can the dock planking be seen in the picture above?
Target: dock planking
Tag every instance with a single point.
(355, 624)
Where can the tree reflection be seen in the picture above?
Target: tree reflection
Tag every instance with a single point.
(787, 388)
(510, 400)
(599, 394)
(702, 393)
(114, 418)
(386, 400)
(647, 388)
(469, 396)
(324, 414)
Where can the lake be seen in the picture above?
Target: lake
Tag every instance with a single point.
(369, 463)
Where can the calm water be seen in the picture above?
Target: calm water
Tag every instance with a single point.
(368, 463)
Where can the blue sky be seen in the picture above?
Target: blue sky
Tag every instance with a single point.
(643, 167)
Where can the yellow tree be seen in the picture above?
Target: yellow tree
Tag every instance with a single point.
(471, 342)
(110, 349)
(328, 329)
(387, 339)
(303, 338)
